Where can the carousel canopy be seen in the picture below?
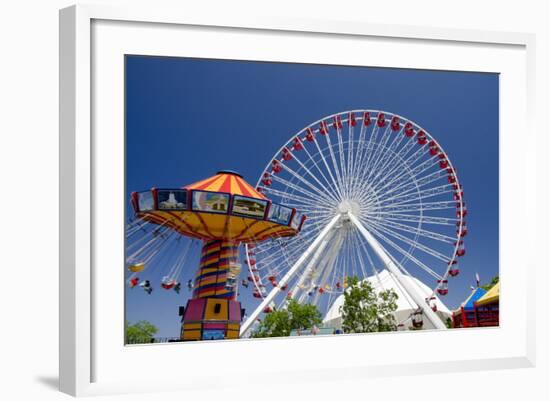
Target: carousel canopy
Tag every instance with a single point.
(223, 206)
(229, 182)
(468, 304)
(490, 296)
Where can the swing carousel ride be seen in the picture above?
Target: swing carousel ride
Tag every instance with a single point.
(381, 198)
(222, 212)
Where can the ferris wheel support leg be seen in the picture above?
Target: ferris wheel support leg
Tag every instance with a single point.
(392, 268)
(248, 323)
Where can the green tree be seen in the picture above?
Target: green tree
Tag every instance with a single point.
(366, 311)
(140, 333)
(490, 285)
(295, 316)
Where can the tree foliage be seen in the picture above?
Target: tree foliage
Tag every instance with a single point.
(295, 316)
(140, 333)
(365, 310)
(490, 285)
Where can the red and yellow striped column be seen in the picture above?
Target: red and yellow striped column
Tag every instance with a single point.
(217, 257)
(213, 312)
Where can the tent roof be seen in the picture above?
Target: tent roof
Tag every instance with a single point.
(385, 281)
(468, 304)
(490, 296)
(229, 182)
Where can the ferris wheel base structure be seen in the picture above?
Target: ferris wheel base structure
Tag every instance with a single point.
(347, 215)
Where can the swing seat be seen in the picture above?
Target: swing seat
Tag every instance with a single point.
(136, 267)
(168, 284)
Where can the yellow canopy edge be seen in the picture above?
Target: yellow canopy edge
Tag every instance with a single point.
(491, 296)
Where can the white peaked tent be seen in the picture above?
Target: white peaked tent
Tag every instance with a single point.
(405, 305)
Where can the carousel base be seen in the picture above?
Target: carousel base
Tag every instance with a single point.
(211, 319)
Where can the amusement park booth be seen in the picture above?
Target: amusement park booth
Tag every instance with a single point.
(465, 315)
(487, 307)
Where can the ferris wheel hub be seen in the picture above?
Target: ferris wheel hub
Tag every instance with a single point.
(349, 206)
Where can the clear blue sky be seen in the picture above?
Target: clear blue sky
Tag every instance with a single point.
(188, 118)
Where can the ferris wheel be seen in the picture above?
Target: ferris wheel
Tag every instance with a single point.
(380, 193)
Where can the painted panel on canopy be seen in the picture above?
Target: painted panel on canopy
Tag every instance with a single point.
(213, 202)
(249, 207)
(172, 199)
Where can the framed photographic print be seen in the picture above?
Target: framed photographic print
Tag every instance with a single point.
(265, 190)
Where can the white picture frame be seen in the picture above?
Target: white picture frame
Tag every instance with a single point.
(93, 359)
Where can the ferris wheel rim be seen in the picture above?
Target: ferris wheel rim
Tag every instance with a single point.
(345, 117)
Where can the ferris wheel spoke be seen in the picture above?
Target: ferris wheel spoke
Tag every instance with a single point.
(351, 134)
(417, 183)
(273, 255)
(292, 200)
(388, 155)
(309, 209)
(322, 154)
(414, 207)
(334, 162)
(371, 187)
(274, 251)
(416, 219)
(290, 184)
(358, 245)
(358, 158)
(401, 154)
(359, 179)
(328, 267)
(412, 158)
(346, 154)
(369, 176)
(313, 276)
(408, 241)
(309, 269)
(286, 195)
(400, 176)
(373, 140)
(407, 197)
(415, 230)
(404, 253)
(404, 173)
(310, 212)
(268, 245)
(378, 155)
(407, 185)
(319, 191)
(341, 153)
(281, 253)
(320, 170)
(357, 154)
(322, 186)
